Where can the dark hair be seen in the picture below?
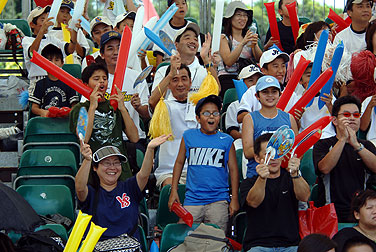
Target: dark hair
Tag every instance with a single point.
(360, 199)
(170, 2)
(101, 49)
(6, 243)
(51, 51)
(35, 19)
(89, 70)
(188, 29)
(357, 241)
(280, 3)
(348, 99)
(316, 243)
(227, 26)
(261, 139)
(371, 29)
(308, 37)
(182, 66)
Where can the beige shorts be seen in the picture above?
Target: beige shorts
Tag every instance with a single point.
(163, 177)
(216, 213)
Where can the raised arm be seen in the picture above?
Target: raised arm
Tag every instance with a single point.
(256, 194)
(82, 175)
(301, 187)
(142, 176)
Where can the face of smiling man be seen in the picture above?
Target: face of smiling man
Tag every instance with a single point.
(188, 43)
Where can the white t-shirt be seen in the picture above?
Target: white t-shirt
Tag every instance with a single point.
(250, 103)
(108, 10)
(58, 33)
(371, 134)
(84, 62)
(312, 114)
(231, 116)
(184, 118)
(33, 69)
(198, 74)
(353, 42)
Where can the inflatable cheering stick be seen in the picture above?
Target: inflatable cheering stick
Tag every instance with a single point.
(291, 8)
(273, 23)
(180, 211)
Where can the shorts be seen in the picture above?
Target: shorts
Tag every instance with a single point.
(163, 177)
(215, 213)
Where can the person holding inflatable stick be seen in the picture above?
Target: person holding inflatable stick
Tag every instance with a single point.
(354, 36)
(272, 197)
(105, 125)
(114, 204)
(343, 159)
(286, 37)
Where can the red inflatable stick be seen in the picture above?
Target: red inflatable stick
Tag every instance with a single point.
(312, 91)
(342, 24)
(43, 3)
(121, 64)
(293, 82)
(62, 75)
(291, 8)
(273, 23)
(302, 148)
(182, 213)
(53, 112)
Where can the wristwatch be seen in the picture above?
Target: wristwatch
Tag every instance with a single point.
(361, 147)
(297, 176)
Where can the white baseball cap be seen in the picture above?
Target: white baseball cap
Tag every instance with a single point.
(37, 12)
(191, 26)
(121, 17)
(99, 20)
(249, 71)
(271, 54)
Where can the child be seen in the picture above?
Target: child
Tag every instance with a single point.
(266, 120)
(126, 19)
(39, 24)
(211, 157)
(105, 125)
(284, 28)
(50, 91)
(63, 17)
(272, 62)
(249, 74)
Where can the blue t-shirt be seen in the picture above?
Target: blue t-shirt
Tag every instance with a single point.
(117, 210)
(207, 173)
(263, 125)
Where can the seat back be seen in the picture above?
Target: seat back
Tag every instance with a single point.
(143, 241)
(239, 160)
(43, 129)
(229, 97)
(174, 234)
(240, 226)
(57, 228)
(307, 168)
(49, 199)
(47, 162)
(20, 23)
(164, 216)
(42, 180)
(73, 69)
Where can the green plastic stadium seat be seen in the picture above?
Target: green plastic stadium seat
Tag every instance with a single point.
(174, 234)
(240, 226)
(47, 162)
(307, 168)
(164, 216)
(73, 69)
(314, 193)
(304, 20)
(49, 199)
(43, 129)
(162, 64)
(229, 97)
(42, 180)
(20, 23)
(239, 159)
(143, 241)
(57, 228)
(344, 225)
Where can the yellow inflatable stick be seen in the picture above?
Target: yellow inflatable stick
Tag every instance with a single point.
(92, 238)
(66, 38)
(2, 4)
(209, 86)
(95, 50)
(77, 232)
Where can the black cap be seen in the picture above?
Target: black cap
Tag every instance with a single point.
(211, 98)
(109, 36)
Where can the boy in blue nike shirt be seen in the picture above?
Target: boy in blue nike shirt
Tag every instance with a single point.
(211, 158)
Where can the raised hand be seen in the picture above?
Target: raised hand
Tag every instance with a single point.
(294, 164)
(262, 170)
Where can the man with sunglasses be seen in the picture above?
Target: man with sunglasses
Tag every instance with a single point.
(343, 162)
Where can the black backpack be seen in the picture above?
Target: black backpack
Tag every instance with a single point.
(44, 240)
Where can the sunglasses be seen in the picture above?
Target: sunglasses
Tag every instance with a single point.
(348, 114)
